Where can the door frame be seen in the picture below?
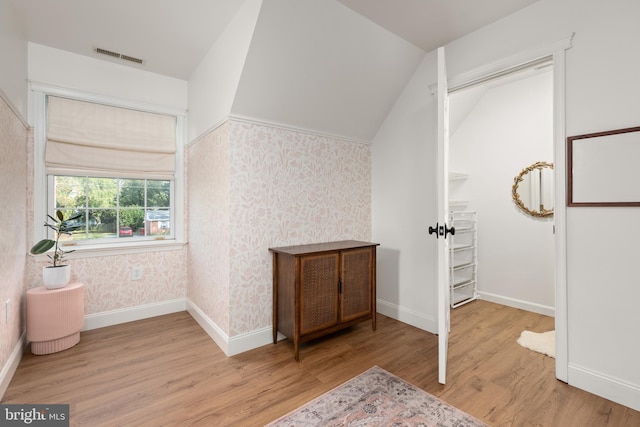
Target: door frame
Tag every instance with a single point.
(556, 52)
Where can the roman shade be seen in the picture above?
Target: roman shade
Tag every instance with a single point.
(85, 138)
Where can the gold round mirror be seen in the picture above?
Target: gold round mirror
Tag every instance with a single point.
(532, 190)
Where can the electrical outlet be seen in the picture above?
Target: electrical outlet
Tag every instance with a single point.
(136, 272)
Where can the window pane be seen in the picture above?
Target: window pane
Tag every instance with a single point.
(131, 222)
(132, 193)
(106, 220)
(80, 224)
(70, 192)
(67, 213)
(115, 208)
(102, 192)
(158, 194)
(158, 222)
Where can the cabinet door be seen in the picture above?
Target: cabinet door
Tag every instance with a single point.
(318, 292)
(356, 283)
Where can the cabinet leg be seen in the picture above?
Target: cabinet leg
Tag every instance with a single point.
(373, 321)
(296, 350)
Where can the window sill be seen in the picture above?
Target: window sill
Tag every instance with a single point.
(95, 251)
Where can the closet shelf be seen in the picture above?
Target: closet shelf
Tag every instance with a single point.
(454, 176)
(463, 266)
(462, 247)
(458, 203)
(460, 285)
(464, 228)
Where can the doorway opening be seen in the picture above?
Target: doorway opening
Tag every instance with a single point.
(554, 51)
(499, 126)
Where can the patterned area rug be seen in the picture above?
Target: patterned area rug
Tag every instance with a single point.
(376, 398)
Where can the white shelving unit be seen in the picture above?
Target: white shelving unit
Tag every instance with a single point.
(456, 180)
(463, 260)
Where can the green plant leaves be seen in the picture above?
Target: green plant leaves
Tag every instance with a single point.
(60, 226)
(42, 246)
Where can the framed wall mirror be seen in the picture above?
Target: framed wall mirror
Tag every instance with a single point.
(532, 190)
(602, 168)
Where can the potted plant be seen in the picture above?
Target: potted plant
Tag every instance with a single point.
(58, 274)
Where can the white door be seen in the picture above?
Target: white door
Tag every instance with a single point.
(443, 232)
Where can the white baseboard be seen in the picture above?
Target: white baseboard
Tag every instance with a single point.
(217, 335)
(599, 384)
(405, 315)
(95, 321)
(251, 340)
(516, 303)
(234, 345)
(230, 346)
(10, 367)
(260, 337)
(130, 314)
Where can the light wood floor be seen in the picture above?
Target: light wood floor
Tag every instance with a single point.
(166, 371)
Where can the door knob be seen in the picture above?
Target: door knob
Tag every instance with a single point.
(442, 230)
(434, 230)
(451, 231)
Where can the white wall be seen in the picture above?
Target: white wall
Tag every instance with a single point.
(319, 66)
(314, 66)
(68, 70)
(403, 195)
(13, 197)
(508, 128)
(213, 85)
(111, 297)
(13, 67)
(602, 93)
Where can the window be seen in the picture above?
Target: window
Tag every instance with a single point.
(115, 208)
(117, 164)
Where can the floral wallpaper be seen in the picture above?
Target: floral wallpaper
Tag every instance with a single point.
(107, 279)
(208, 218)
(250, 187)
(255, 187)
(13, 209)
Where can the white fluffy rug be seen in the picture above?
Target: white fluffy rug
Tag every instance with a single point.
(542, 342)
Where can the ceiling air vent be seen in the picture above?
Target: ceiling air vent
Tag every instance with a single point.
(118, 55)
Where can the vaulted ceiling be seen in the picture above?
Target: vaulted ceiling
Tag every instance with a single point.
(329, 66)
(172, 36)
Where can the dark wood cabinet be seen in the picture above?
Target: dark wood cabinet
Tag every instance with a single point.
(321, 288)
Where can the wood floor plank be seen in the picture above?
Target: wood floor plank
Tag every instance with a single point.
(166, 371)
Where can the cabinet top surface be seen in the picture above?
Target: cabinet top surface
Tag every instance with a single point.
(43, 290)
(322, 247)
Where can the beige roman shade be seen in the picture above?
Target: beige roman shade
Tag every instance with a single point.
(85, 138)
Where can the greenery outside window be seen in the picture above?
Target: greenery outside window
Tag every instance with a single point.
(118, 163)
(116, 209)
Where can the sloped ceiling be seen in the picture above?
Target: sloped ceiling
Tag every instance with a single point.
(330, 66)
(430, 24)
(173, 36)
(319, 66)
(461, 104)
(170, 36)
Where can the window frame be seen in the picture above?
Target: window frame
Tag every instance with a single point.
(43, 190)
(51, 201)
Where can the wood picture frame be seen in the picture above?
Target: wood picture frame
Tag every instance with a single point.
(602, 168)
